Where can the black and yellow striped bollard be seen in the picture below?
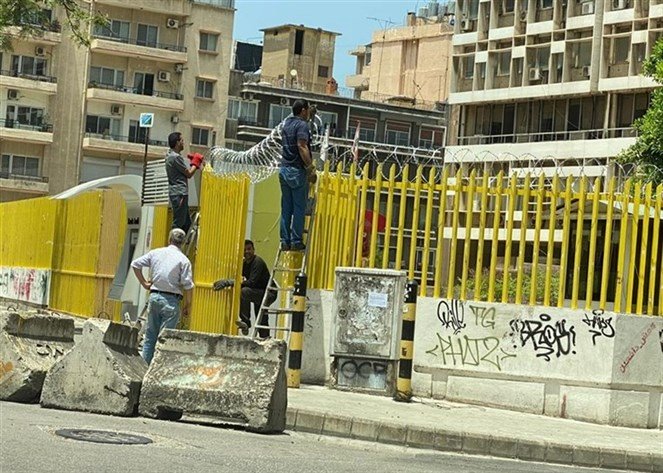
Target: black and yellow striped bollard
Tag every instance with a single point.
(404, 383)
(297, 331)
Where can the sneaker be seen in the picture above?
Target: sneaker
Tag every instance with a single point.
(243, 327)
(298, 247)
(285, 246)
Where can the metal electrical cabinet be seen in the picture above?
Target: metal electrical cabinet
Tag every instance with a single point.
(365, 335)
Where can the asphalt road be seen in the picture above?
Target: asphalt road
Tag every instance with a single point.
(28, 443)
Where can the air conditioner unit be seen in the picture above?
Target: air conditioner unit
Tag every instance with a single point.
(163, 76)
(40, 51)
(116, 109)
(179, 68)
(534, 73)
(12, 94)
(619, 4)
(175, 119)
(172, 23)
(585, 71)
(587, 8)
(465, 25)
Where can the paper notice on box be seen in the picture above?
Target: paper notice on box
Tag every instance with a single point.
(377, 299)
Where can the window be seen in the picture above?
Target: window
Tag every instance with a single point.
(35, 66)
(143, 83)
(147, 35)
(504, 64)
(620, 49)
(468, 67)
(116, 30)
(546, 3)
(323, 71)
(542, 57)
(299, 41)
(25, 115)
(105, 126)
(204, 88)
(397, 134)
(366, 129)
(368, 56)
(278, 113)
(106, 76)
(431, 137)
(329, 120)
(19, 165)
(240, 109)
(200, 136)
(208, 41)
(136, 133)
(508, 6)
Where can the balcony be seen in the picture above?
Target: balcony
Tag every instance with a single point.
(23, 184)
(134, 96)
(12, 130)
(171, 53)
(117, 144)
(38, 83)
(357, 81)
(174, 8)
(49, 33)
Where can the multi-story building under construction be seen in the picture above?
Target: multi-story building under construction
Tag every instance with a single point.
(69, 113)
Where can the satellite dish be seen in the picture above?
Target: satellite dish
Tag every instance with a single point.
(293, 72)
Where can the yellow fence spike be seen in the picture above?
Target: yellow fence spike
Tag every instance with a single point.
(441, 221)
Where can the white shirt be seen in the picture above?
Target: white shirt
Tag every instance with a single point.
(170, 269)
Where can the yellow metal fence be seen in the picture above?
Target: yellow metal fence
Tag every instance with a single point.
(594, 244)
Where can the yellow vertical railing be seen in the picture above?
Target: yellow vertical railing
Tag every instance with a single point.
(550, 247)
(521, 244)
(633, 239)
(390, 215)
(512, 196)
(499, 190)
(624, 199)
(469, 209)
(607, 243)
(423, 287)
(457, 189)
(377, 194)
(362, 215)
(540, 194)
(483, 212)
(656, 238)
(594, 225)
(402, 207)
(577, 254)
(566, 226)
(644, 247)
(441, 219)
(414, 229)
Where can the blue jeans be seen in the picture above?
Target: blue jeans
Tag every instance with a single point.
(163, 312)
(294, 193)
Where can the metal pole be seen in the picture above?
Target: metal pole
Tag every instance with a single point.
(404, 383)
(297, 331)
(147, 140)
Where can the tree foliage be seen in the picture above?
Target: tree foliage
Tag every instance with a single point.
(28, 19)
(647, 152)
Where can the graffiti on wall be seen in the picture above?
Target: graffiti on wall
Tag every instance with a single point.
(25, 284)
(644, 336)
(547, 336)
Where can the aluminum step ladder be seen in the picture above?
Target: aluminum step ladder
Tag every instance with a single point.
(285, 264)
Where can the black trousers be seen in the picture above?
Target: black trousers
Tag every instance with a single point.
(181, 217)
(251, 295)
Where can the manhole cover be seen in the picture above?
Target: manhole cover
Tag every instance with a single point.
(103, 436)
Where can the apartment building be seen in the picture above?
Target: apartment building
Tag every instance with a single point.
(550, 82)
(410, 63)
(69, 114)
(300, 57)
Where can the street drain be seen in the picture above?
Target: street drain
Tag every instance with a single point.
(103, 436)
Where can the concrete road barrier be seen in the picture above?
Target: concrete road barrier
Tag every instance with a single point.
(29, 345)
(102, 373)
(233, 379)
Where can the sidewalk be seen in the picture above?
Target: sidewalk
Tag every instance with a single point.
(447, 426)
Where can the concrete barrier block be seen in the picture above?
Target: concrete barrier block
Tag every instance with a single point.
(29, 345)
(102, 373)
(523, 396)
(235, 379)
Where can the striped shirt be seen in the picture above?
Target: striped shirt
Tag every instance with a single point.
(170, 269)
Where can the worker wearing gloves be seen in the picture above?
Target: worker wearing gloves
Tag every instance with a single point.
(178, 174)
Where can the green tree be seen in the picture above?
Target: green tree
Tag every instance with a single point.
(29, 19)
(647, 152)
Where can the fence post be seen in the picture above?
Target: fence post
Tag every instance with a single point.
(297, 331)
(404, 383)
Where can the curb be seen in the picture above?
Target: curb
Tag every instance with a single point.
(302, 420)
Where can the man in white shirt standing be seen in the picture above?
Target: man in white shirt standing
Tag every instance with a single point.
(170, 281)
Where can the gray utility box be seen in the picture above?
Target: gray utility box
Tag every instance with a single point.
(365, 335)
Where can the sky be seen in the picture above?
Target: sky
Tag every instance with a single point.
(356, 20)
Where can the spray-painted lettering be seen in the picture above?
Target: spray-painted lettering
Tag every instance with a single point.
(546, 338)
(451, 314)
(483, 316)
(599, 325)
(466, 351)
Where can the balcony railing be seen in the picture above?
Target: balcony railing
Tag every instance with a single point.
(12, 123)
(346, 92)
(41, 78)
(137, 42)
(12, 175)
(572, 135)
(136, 91)
(125, 139)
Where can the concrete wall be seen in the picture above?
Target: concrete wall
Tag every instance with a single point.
(591, 366)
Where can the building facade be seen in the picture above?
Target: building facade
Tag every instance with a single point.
(550, 80)
(410, 63)
(69, 114)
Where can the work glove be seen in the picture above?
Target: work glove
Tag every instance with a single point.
(311, 174)
(223, 284)
(196, 159)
